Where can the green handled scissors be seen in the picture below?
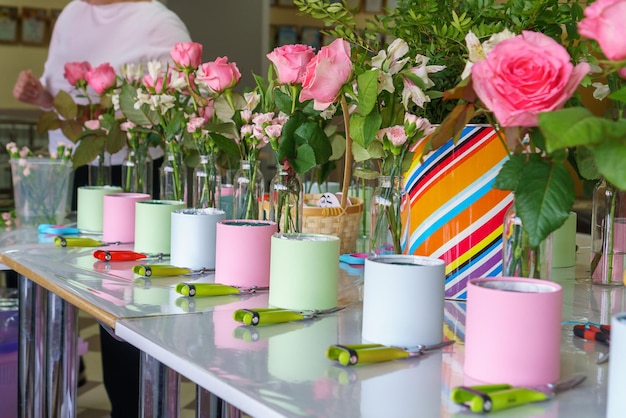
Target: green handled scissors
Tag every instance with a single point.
(487, 398)
(353, 354)
(264, 316)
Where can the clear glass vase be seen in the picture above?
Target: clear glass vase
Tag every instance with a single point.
(518, 258)
(248, 190)
(137, 173)
(389, 211)
(365, 179)
(173, 175)
(286, 200)
(608, 234)
(207, 184)
(99, 170)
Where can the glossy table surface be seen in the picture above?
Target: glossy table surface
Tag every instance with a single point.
(281, 370)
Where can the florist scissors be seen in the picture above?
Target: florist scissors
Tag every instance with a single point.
(214, 289)
(353, 354)
(61, 241)
(123, 255)
(263, 316)
(594, 332)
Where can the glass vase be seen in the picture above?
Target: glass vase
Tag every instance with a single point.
(518, 258)
(286, 200)
(173, 175)
(608, 234)
(389, 212)
(365, 178)
(99, 170)
(137, 172)
(207, 183)
(249, 190)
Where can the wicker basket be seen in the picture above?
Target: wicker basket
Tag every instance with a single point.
(333, 221)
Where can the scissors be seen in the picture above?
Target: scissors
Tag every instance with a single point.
(487, 398)
(61, 241)
(214, 289)
(164, 270)
(353, 354)
(263, 316)
(123, 255)
(593, 332)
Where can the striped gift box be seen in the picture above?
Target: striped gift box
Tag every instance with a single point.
(456, 215)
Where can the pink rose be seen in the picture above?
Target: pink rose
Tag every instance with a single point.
(290, 62)
(526, 75)
(76, 71)
(395, 134)
(604, 22)
(326, 73)
(187, 54)
(219, 74)
(101, 78)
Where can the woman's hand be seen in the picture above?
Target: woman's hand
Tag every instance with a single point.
(28, 89)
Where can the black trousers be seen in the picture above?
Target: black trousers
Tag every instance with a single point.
(120, 373)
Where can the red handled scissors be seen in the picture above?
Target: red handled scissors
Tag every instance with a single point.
(593, 332)
(122, 255)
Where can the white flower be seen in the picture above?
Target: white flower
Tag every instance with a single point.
(155, 69)
(131, 72)
(478, 51)
(252, 100)
(177, 81)
(601, 90)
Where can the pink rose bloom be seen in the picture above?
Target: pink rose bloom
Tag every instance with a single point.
(76, 71)
(92, 124)
(524, 76)
(290, 62)
(604, 22)
(395, 134)
(187, 54)
(326, 73)
(101, 78)
(218, 75)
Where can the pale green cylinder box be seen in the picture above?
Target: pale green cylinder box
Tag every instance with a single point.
(89, 207)
(304, 271)
(564, 244)
(153, 220)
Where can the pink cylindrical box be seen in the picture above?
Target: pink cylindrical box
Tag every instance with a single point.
(242, 255)
(513, 331)
(118, 223)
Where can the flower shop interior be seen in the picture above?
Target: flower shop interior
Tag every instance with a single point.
(459, 160)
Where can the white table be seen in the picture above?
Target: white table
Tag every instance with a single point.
(281, 370)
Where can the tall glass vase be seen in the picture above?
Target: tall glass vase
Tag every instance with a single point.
(173, 175)
(365, 179)
(390, 211)
(286, 200)
(249, 189)
(207, 183)
(137, 172)
(608, 234)
(519, 259)
(99, 170)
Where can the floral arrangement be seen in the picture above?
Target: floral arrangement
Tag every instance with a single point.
(91, 119)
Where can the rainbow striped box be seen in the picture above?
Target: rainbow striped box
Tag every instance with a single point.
(456, 215)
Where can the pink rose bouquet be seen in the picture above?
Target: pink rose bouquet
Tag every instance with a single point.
(86, 114)
(290, 62)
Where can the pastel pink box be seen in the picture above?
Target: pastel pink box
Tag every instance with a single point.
(118, 223)
(242, 255)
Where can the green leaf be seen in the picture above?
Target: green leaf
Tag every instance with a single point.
(89, 148)
(175, 126)
(48, 121)
(571, 127)
(283, 101)
(65, 106)
(225, 144)
(142, 116)
(619, 95)
(509, 175)
(116, 139)
(367, 87)
(543, 198)
(338, 144)
(359, 153)
(305, 160)
(72, 129)
(586, 163)
(610, 157)
(310, 133)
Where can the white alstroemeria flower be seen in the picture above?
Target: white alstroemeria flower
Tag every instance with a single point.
(252, 100)
(391, 61)
(413, 93)
(166, 102)
(155, 69)
(329, 112)
(601, 90)
(385, 82)
(115, 99)
(131, 72)
(142, 98)
(478, 51)
(177, 81)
